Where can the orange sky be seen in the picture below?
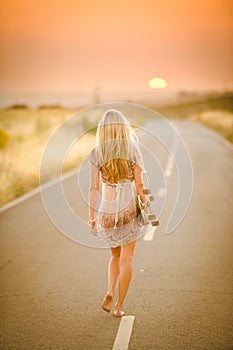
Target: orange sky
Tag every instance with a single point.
(75, 45)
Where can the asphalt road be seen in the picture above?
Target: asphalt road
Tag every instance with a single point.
(181, 293)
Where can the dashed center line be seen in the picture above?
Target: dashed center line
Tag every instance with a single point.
(170, 161)
(162, 191)
(124, 332)
(169, 167)
(150, 235)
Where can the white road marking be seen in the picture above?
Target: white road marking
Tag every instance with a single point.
(162, 191)
(38, 189)
(170, 162)
(169, 167)
(124, 332)
(150, 235)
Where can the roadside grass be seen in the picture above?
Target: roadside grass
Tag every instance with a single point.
(24, 134)
(219, 120)
(215, 113)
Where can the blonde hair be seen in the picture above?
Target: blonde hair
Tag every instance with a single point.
(115, 141)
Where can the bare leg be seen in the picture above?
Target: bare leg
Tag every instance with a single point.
(113, 269)
(126, 259)
(113, 273)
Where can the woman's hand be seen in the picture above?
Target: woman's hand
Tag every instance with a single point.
(91, 224)
(139, 184)
(143, 197)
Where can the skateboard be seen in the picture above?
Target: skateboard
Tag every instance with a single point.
(145, 210)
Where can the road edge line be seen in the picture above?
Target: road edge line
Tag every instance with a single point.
(37, 190)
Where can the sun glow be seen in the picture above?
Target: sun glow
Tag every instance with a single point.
(157, 83)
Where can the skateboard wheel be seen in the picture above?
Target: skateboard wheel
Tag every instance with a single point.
(155, 223)
(151, 217)
(151, 198)
(146, 191)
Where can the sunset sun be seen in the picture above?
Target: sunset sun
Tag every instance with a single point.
(157, 83)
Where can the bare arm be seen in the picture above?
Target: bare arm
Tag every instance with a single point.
(93, 191)
(139, 184)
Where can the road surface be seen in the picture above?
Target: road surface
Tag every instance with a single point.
(181, 293)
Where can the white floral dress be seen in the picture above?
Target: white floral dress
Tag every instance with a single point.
(117, 220)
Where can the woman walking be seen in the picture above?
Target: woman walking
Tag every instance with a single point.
(117, 164)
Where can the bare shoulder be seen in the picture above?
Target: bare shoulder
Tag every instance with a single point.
(137, 158)
(93, 157)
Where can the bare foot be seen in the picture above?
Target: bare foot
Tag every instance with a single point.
(117, 311)
(107, 302)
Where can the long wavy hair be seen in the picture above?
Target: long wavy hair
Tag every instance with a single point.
(115, 141)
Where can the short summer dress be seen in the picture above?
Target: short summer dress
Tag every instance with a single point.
(118, 221)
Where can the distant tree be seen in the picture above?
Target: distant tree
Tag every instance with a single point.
(17, 106)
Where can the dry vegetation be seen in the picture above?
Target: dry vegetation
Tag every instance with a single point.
(215, 113)
(219, 120)
(24, 134)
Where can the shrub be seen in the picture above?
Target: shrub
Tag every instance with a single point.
(4, 138)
